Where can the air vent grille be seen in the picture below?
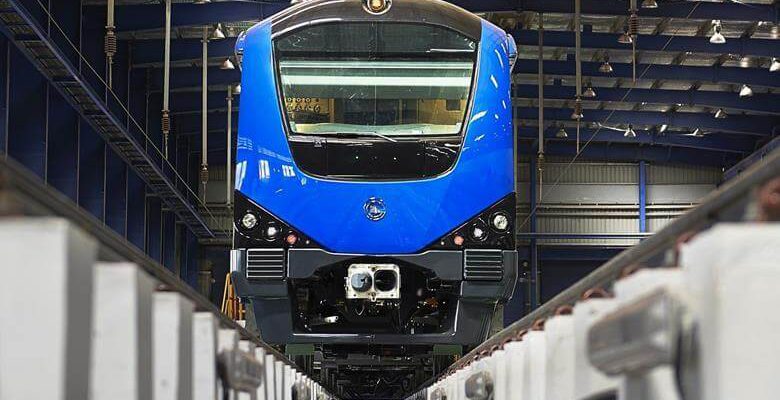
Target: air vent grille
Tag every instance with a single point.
(483, 265)
(265, 264)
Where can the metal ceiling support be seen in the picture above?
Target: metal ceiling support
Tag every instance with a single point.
(739, 124)
(540, 83)
(713, 142)
(734, 75)
(578, 67)
(759, 103)
(166, 111)
(147, 16)
(608, 41)
(633, 32)
(229, 162)
(110, 44)
(25, 32)
(204, 121)
(623, 152)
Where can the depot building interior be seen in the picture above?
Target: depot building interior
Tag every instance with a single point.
(637, 123)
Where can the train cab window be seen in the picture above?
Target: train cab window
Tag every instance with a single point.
(379, 94)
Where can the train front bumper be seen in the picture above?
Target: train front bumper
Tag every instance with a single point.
(267, 291)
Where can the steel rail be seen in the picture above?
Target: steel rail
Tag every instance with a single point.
(23, 194)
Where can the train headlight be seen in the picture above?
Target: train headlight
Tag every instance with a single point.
(500, 221)
(249, 221)
(479, 231)
(271, 232)
(377, 6)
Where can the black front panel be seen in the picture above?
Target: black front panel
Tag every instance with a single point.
(378, 160)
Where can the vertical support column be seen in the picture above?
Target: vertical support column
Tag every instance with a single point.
(642, 196)
(122, 333)
(204, 356)
(533, 279)
(260, 355)
(229, 164)
(270, 377)
(45, 340)
(172, 345)
(226, 341)
(204, 152)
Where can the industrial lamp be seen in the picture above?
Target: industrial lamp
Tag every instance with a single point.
(605, 68)
(717, 37)
(745, 91)
(649, 4)
(217, 33)
(227, 65)
(630, 132)
(774, 66)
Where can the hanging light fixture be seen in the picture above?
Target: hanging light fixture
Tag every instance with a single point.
(625, 38)
(217, 33)
(649, 4)
(561, 134)
(227, 65)
(720, 114)
(717, 37)
(745, 91)
(237, 89)
(577, 113)
(605, 67)
(774, 66)
(663, 128)
(697, 133)
(630, 133)
(589, 92)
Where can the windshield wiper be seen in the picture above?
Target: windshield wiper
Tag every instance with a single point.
(362, 133)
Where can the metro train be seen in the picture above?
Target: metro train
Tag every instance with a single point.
(375, 174)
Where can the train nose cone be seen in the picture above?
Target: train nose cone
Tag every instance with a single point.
(361, 282)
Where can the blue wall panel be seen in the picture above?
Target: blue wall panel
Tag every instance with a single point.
(154, 228)
(91, 171)
(63, 147)
(169, 241)
(136, 210)
(116, 196)
(27, 114)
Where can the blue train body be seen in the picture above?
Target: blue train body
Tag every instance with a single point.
(418, 212)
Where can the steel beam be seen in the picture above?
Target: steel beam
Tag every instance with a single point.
(675, 44)
(642, 196)
(738, 124)
(735, 75)
(713, 142)
(149, 16)
(759, 102)
(628, 153)
(681, 9)
(754, 158)
(150, 52)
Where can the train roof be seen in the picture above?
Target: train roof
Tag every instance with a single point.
(434, 12)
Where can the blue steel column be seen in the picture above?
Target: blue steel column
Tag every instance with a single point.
(642, 196)
(533, 279)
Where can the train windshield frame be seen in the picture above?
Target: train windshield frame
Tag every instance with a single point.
(378, 80)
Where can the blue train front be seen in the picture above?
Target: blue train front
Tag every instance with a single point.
(375, 177)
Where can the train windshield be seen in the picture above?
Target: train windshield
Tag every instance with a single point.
(376, 79)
